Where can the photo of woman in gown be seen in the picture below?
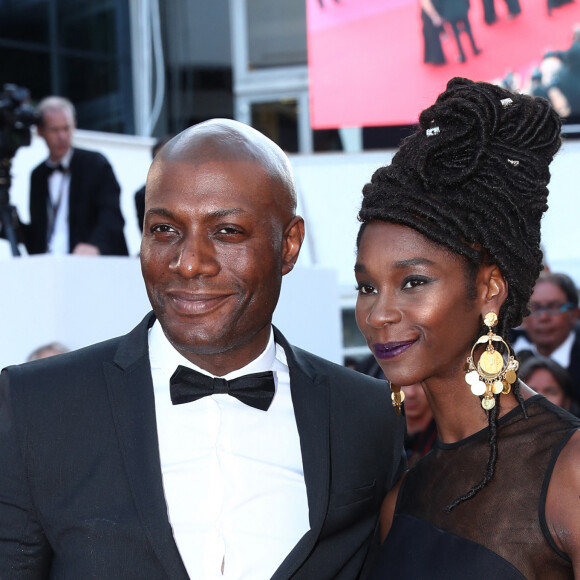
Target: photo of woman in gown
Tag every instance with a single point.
(432, 31)
(447, 256)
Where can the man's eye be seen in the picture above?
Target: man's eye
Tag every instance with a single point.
(162, 228)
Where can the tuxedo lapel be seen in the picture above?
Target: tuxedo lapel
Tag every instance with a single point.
(310, 398)
(75, 191)
(131, 392)
(39, 195)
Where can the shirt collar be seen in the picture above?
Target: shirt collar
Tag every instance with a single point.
(65, 161)
(562, 354)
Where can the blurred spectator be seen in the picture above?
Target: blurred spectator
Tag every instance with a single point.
(552, 329)
(456, 12)
(489, 14)
(369, 366)
(46, 350)
(140, 193)
(432, 31)
(564, 88)
(537, 88)
(548, 378)
(350, 362)
(556, 4)
(74, 195)
(421, 429)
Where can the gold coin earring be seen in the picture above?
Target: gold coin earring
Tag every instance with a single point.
(397, 397)
(494, 373)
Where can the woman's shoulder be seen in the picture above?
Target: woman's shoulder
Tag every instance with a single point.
(563, 501)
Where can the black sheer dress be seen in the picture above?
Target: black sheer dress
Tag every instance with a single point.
(501, 532)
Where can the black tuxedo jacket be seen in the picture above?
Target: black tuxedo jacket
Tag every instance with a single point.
(81, 493)
(94, 213)
(573, 367)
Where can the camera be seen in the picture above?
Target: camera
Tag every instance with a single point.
(16, 118)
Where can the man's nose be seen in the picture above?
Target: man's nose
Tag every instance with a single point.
(196, 257)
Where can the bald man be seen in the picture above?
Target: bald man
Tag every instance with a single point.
(201, 445)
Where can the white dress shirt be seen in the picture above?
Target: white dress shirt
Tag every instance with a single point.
(58, 188)
(232, 475)
(561, 355)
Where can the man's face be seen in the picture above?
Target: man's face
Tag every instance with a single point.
(57, 130)
(215, 246)
(548, 326)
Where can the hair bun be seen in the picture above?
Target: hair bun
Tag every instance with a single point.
(450, 157)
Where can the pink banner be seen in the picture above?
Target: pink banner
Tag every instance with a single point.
(367, 57)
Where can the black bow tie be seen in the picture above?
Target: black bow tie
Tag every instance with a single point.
(256, 390)
(60, 167)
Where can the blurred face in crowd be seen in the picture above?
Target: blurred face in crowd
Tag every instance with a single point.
(544, 382)
(417, 410)
(552, 318)
(57, 130)
(219, 234)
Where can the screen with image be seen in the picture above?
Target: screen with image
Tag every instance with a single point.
(380, 62)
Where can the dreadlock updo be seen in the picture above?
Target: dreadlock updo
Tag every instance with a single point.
(474, 178)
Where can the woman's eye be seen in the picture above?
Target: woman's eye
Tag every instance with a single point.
(414, 282)
(365, 289)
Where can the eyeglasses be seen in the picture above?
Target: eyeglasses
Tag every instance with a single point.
(551, 308)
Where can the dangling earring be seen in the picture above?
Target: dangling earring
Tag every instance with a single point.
(397, 396)
(492, 375)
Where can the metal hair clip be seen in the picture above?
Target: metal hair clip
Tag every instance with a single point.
(505, 103)
(432, 131)
(514, 162)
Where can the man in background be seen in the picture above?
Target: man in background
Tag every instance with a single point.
(74, 195)
(551, 329)
(140, 193)
(46, 350)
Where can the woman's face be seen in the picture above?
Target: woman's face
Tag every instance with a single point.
(544, 382)
(415, 306)
(416, 403)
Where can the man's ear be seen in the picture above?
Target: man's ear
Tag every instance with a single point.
(293, 238)
(494, 288)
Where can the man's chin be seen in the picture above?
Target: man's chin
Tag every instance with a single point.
(197, 344)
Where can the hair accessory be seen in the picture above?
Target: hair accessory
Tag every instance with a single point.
(397, 396)
(493, 374)
(432, 131)
(514, 162)
(505, 103)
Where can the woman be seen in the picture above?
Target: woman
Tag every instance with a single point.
(432, 30)
(548, 378)
(448, 253)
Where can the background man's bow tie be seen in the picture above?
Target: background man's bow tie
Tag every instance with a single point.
(59, 167)
(256, 390)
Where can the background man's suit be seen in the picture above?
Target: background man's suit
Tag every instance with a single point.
(94, 213)
(573, 367)
(92, 502)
